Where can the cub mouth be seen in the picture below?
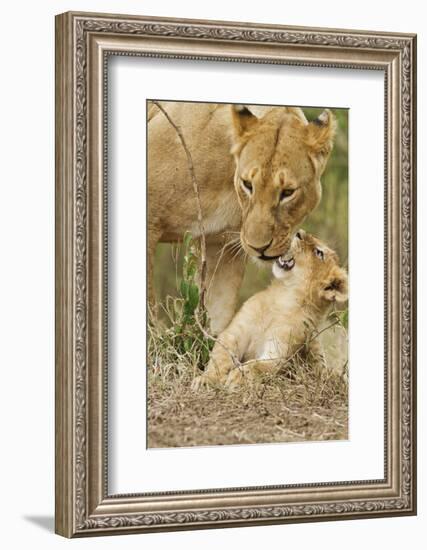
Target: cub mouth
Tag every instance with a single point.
(285, 264)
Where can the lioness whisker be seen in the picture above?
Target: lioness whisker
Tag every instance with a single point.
(237, 252)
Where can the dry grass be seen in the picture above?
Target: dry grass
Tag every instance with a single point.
(301, 404)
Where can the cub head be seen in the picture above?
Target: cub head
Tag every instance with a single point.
(313, 268)
(279, 161)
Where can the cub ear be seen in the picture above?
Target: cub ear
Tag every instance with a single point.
(335, 287)
(320, 135)
(243, 119)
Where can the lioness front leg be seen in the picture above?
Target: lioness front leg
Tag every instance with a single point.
(224, 277)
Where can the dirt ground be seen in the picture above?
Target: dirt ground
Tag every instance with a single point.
(301, 404)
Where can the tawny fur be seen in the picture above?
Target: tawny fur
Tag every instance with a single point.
(275, 324)
(229, 145)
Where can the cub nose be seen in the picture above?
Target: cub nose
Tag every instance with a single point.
(261, 249)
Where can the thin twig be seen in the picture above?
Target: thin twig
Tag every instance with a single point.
(199, 205)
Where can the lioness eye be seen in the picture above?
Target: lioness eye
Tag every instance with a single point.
(319, 253)
(248, 185)
(286, 193)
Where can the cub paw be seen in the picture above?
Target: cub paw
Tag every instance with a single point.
(205, 381)
(235, 378)
(199, 383)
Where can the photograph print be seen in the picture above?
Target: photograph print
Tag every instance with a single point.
(247, 274)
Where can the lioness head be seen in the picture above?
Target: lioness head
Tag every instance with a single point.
(313, 268)
(279, 161)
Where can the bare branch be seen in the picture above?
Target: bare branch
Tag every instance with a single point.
(199, 205)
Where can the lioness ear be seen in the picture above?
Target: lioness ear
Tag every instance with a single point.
(243, 119)
(320, 134)
(335, 288)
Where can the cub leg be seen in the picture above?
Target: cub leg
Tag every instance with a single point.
(224, 275)
(316, 356)
(275, 351)
(227, 353)
(224, 357)
(250, 371)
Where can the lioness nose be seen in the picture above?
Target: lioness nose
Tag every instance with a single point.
(261, 249)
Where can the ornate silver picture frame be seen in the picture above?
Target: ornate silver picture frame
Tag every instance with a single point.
(84, 505)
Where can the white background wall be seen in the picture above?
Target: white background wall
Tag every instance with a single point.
(27, 273)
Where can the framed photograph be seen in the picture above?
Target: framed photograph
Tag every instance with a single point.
(235, 274)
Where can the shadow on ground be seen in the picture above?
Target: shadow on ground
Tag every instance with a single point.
(44, 522)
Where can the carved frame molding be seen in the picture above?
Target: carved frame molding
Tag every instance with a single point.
(83, 43)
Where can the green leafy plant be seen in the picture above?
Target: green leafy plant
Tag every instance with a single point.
(188, 287)
(343, 316)
(340, 317)
(188, 318)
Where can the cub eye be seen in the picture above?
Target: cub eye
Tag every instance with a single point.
(319, 253)
(286, 193)
(247, 185)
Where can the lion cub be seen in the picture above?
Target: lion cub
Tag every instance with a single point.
(276, 323)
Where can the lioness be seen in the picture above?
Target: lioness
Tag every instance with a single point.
(277, 323)
(257, 177)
